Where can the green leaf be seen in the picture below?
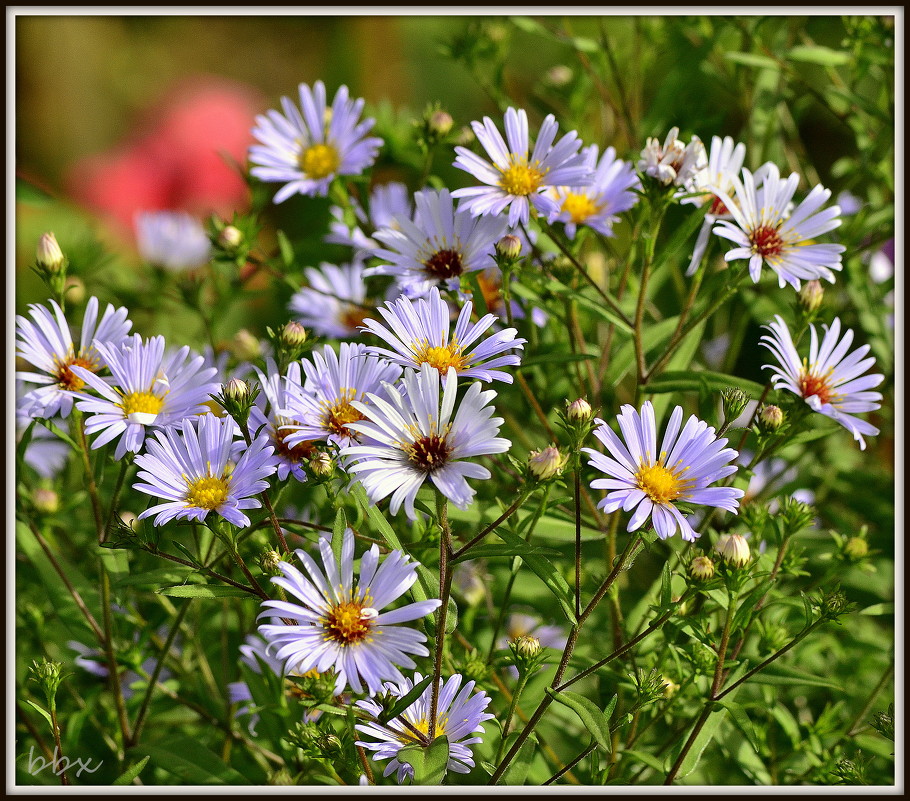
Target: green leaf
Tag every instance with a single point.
(698, 381)
(666, 596)
(752, 60)
(743, 722)
(192, 762)
(816, 54)
(556, 358)
(286, 249)
(57, 432)
(493, 551)
(529, 26)
(405, 701)
(521, 764)
(203, 591)
(585, 45)
(648, 759)
(595, 721)
(164, 575)
(132, 772)
(429, 763)
(29, 193)
(338, 528)
(878, 609)
(779, 674)
(42, 711)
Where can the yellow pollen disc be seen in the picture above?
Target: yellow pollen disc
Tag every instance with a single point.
(345, 623)
(208, 492)
(423, 726)
(659, 484)
(441, 357)
(143, 402)
(67, 379)
(339, 415)
(812, 384)
(521, 179)
(319, 161)
(579, 207)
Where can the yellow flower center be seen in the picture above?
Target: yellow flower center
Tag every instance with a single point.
(579, 207)
(208, 492)
(319, 161)
(67, 379)
(346, 623)
(661, 484)
(810, 383)
(141, 402)
(521, 179)
(423, 726)
(340, 414)
(441, 357)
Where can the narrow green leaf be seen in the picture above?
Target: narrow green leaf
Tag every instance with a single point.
(131, 773)
(666, 596)
(493, 551)
(692, 381)
(752, 60)
(585, 45)
(42, 711)
(516, 773)
(429, 763)
(648, 759)
(338, 528)
(779, 674)
(192, 762)
(743, 722)
(878, 609)
(57, 432)
(24, 441)
(595, 721)
(816, 54)
(405, 701)
(286, 249)
(202, 591)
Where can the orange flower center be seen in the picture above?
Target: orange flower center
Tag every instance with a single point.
(293, 453)
(767, 242)
(811, 384)
(347, 623)
(67, 379)
(340, 415)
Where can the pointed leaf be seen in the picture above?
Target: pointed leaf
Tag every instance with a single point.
(405, 701)
(203, 591)
(131, 773)
(595, 721)
(429, 763)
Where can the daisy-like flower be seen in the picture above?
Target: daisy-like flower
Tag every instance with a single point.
(675, 162)
(598, 204)
(514, 178)
(45, 453)
(387, 203)
(418, 332)
(196, 471)
(149, 388)
(830, 380)
(305, 151)
(333, 303)
(172, 239)
(289, 458)
(767, 232)
(654, 481)
(45, 342)
(460, 714)
(324, 406)
(417, 438)
(724, 163)
(438, 246)
(339, 623)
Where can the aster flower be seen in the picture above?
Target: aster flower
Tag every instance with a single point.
(339, 623)
(387, 203)
(172, 239)
(598, 204)
(324, 406)
(830, 381)
(439, 245)
(196, 471)
(654, 481)
(306, 151)
(333, 303)
(289, 459)
(149, 388)
(674, 162)
(45, 453)
(417, 438)
(514, 178)
(45, 342)
(418, 332)
(767, 232)
(459, 715)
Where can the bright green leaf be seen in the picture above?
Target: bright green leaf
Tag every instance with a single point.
(594, 720)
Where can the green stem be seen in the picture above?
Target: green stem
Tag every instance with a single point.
(445, 588)
(90, 484)
(108, 644)
(121, 476)
(519, 688)
(497, 522)
(577, 482)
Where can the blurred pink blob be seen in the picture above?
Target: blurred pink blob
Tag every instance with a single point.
(176, 160)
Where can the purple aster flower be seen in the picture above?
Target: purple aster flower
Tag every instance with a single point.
(418, 332)
(438, 246)
(514, 178)
(149, 388)
(830, 381)
(47, 344)
(598, 204)
(654, 481)
(459, 716)
(195, 469)
(387, 203)
(45, 453)
(333, 303)
(305, 151)
(172, 239)
(339, 624)
(417, 438)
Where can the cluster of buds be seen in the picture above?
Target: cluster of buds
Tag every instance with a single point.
(546, 463)
(577, 420)
(270, 561)
(434, 127)
(48, 675)
(237, 397)
(675, 162)
(794, 516)
(649, 687)
(50, 265)
(475, 667)
(233, 240)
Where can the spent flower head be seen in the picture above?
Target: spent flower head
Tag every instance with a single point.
(674, 162)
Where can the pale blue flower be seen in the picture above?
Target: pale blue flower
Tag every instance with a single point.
(172, 239)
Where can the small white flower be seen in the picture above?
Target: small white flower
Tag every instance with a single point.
(675, 162)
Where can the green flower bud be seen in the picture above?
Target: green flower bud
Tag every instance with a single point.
(811, 295)
(734, 549)
(48, 675)
(46, 501)
(771, 418)
(702, 568)
(48, 255)
(236, 390)
(293, 335)
(322, 465)
(269, 561)
(735, 401)
(856, 548)
(527, 646)
(440, 123)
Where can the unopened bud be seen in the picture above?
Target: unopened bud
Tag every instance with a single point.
(230, 237)
(440, 123)
(269, 561)
(293, 335)
(527, 646)
(734, 400)
(465, 136)
(771, 418)
(559, 76)
(670, 687)
(579, 411)
(48, 675)
(734, 549)
(246, 346)
(509, 247)
(546, 463)
(236, 390)
(322, 464)
(48, 254)
(74, 290)
(128, 518)
(811, 295)
(856, 548)
(46, 501)
(702, 568)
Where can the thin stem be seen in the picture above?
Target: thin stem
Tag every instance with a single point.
(650, 244)
(124, 466)
(265, 499)
(108, 645)
(208, 571)
(227, 537)
(365, 764)
(36, 736)
(90, 484)
(571, 764)
(577, 482)
(522, 682)
(855, 727)
(496, 523)
(445, 588)
(535, 404)
(58, 747)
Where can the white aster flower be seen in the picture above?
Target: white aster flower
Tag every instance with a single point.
(333, 303)
(514, 178)
(767, 232)
(830, 381)
(171, 239)
(675, 162)
(305, 151)
(417, 438)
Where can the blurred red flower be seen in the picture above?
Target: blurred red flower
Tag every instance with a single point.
(176, 160)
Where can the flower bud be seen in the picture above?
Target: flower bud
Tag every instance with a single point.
(293, 334)
(527, 646)
(128, 518)
(246, 346)
(811, 295)
(269, 562)
(771, 418)
(856, 548)
(74, 290)
(509, 247)
(322, 464)
(236, 390)
(465, 136)
(579, 411)
(702, 568)
(546, 463)
(440, 123)
(230, 238)
(734, 400)
(48, 675)
(734, 549)
(559, 76)
(670, 687)
(48, 254)
(46, 501)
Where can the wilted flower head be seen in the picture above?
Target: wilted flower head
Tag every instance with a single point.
(675, 162)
